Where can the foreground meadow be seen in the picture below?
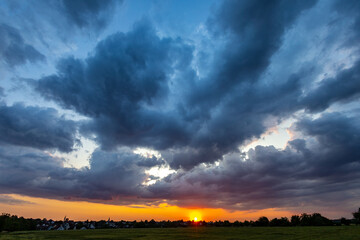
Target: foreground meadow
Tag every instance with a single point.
(248, 233)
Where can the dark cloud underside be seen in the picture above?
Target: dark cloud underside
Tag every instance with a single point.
(302, 174)
(36, 127)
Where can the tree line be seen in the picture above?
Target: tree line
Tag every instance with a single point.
(14, 223)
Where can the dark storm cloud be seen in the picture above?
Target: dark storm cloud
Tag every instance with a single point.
(241, 116)
(120, 87)
(50, 25)
(335, 133)
(111, 176)
(126, 87)
(36, 127)
(253, 32)
(345, 86)
(89, 13)
(350, 9)
(21, 167)
(150, 162)
(323, 168)
(304, 173)
(13, 48)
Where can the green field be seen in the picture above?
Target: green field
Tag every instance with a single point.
(248, 233)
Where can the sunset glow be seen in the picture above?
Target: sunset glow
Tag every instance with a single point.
(56, 209)
(195, 216)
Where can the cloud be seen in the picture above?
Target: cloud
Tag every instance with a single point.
(320, 169)
(338, 135)
(350, 10)
(70, 15)
(120, 87)
(141, 90)
(36, 127)
(9, 200)
(31, 30)
(88, 13)
(21, 167)
(306, 173)
(345, 86)
(252, 33)
(13, 48)
(113, 177)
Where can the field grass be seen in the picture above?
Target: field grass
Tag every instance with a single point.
(248, 233)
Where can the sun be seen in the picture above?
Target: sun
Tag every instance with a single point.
(195, 216)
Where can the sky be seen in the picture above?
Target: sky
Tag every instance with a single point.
(173, 110)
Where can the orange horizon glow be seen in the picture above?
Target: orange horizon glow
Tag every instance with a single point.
(82, 210)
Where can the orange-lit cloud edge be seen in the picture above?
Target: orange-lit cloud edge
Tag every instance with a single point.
(81, 210)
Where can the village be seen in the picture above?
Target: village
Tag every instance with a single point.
(67, 224)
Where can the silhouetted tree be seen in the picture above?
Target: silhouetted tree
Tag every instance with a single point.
(295, 220)
(345, 221)
(305, 220)
(238, 224)
(282, 222)
(14, 223)
(318, 220)
(262, 221)
(314, 219)
(227, 223)
(357, 216)
(152, 223)
(246, 223)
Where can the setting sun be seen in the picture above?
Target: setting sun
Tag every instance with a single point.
(195, 216)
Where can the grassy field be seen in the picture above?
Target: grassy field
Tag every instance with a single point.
(278, 233)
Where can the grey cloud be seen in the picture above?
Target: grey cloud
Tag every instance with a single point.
(232, 105)
(112, 176)
(141, 90)
(239, 118)
(253, 32)
(120, 87)
(350, 10)
(151, 162)
(345, 86)
(36, 127)
(13, 48)
(125, 84)
(65, 14)
(304, 174)
(8, 200)
(337, 134)
(89, 13)
(51, 26)
(21, 167)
